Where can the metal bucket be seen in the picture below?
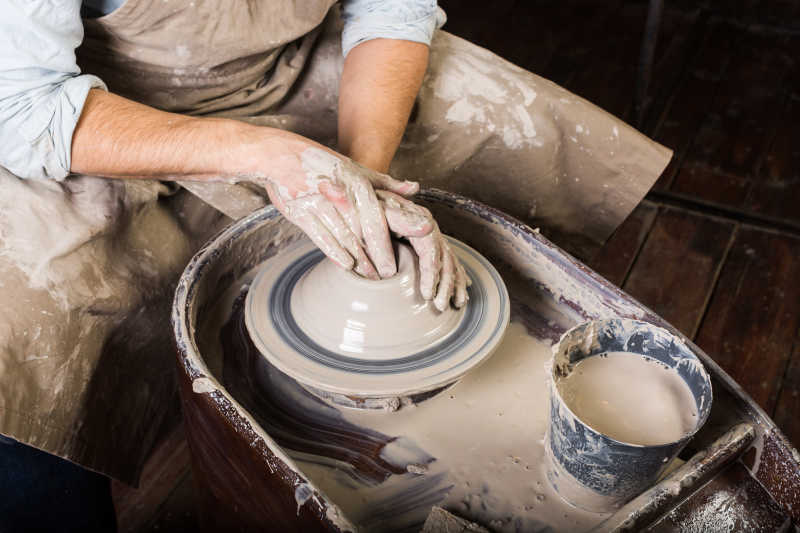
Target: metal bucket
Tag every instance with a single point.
(594, 471)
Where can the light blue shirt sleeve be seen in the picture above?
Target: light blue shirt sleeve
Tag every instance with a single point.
(409, 20)
(42, 91)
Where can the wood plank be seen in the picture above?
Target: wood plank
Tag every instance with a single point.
(178, 513)
(699, 182)
(782, 163)
(735, 135)
(664, 182)
(675, 272)
(743, 11)
(684, 112)
(615, 258)
(732, 501)
(754, 314)
(777, 200)
(528, 28)
(462, 17)
(488, 32)
(787, 408)
(781, 13)
(607, 78)
(528, 33)
(541, 29)
(680, 35)
(777, 191)
(578, 52)
(163, 471)
(472, 21)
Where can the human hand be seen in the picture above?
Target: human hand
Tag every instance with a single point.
(333, 201)
(442, 277)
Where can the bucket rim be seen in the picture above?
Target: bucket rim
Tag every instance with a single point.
(701, 420)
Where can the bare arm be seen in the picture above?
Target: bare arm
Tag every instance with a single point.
(116, 137)
(380, 81)
(331, 198)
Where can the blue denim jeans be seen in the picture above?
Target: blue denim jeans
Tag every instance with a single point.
(40, 492)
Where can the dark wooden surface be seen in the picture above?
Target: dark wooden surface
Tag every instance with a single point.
(715, 248)
(752, 319)
(677, 264)
(164, 496)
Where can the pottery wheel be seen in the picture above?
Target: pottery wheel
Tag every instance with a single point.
(336, 332)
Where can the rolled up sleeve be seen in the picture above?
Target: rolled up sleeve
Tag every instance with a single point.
(409, 20)
(42, 91)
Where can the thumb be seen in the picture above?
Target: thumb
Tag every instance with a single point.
(388, 183)
(405, 218)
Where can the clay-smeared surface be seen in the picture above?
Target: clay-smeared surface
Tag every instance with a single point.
(343, 335)
(630, 398)
(475, 449)
(383, 319)
(546, 298)
(486, 433)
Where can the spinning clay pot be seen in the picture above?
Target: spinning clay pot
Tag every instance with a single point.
(341, 335)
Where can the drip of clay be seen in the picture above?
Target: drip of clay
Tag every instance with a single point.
(385, 319)
(630, 398)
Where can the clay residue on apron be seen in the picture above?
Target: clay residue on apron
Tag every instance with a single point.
(203, 56)
(73, 339)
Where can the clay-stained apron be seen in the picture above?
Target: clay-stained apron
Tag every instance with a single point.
(90, 264)
(85, 375)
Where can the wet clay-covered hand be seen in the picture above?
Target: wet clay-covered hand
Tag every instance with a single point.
(333, 200)
(442, 276)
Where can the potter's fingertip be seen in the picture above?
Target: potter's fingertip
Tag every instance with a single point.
(349, 263)
(443, 302)
(403, 188)
(442, 298)
(364, 266)
(426, 291)
(365, 272)
(420, 227)
(412, 187)
(387, 271)
(434, 288)
(372, 274)
(340, 256)
(343, 264)
(335, 253)
(426, 288)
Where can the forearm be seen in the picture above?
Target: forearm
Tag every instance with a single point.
(380, 82)
(116, 137)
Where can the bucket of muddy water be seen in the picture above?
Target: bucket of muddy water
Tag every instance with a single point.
(625, 398)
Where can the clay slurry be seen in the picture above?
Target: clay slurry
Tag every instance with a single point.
(630, 398)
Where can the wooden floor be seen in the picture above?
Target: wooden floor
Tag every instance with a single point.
(715, 247)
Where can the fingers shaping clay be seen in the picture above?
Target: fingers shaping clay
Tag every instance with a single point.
(336, 332)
